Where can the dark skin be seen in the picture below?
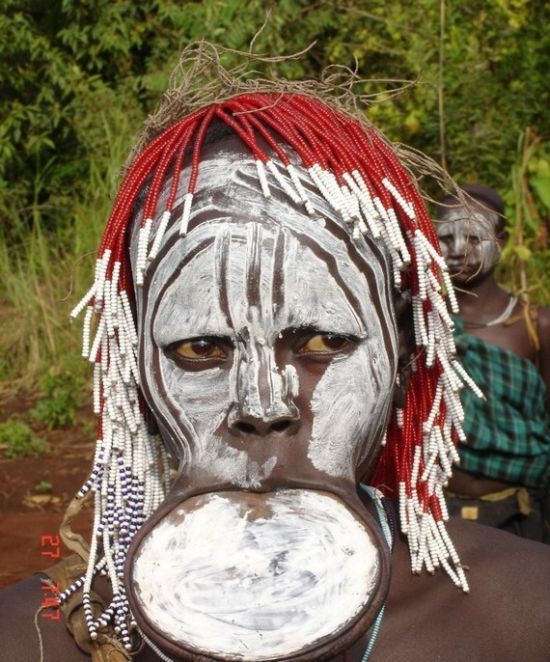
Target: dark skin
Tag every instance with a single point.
(481, 299)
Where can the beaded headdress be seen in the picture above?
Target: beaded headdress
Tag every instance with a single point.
(357, 172)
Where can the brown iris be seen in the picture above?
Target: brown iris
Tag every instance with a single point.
(200, 348)
(324, 343)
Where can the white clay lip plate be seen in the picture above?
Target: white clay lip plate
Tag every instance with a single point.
(222, 577)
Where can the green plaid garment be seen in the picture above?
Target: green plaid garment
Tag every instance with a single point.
(509, 433)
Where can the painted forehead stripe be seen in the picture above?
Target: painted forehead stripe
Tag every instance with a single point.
(329, 259)
(253, 263)
(176, 414)
(357, 173)
(365, 268)
(223, 242)
(278, 283)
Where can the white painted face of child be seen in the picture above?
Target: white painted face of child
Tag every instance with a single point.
(468, 242)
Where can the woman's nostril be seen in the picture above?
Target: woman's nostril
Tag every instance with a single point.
(263, 427)
(245, 427)
(279, 426)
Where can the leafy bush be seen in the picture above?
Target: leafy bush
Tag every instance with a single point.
(17, 439)
(59, 402)
(64, 62)
(524, 261)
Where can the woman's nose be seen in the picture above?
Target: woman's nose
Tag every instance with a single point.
(265, 404)
(265, 425)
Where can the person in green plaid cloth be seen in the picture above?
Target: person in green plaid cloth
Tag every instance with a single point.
(504, 344)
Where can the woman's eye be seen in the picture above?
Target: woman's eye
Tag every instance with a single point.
(325, 343)
(200, 349)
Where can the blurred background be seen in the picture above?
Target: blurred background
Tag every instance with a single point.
(77, 78)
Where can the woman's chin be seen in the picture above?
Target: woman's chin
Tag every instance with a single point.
(289, 574)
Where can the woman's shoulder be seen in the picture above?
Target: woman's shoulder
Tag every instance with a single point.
(500, 561)
(505, 616)
(509, 589)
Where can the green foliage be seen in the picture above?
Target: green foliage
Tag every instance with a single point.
(17, 439)
(525, 258)
(78, 78)
(63, 62)
(59, 402)
(58, 62)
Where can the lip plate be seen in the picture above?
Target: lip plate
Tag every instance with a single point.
(265, 517)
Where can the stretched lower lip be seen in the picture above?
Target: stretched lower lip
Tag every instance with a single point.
(260, 576)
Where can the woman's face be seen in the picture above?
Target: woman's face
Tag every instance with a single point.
(268, 359)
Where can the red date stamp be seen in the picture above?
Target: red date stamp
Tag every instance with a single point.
(53, 543)
(51, 547)
(50, 601)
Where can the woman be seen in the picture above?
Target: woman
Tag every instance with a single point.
(270, 321)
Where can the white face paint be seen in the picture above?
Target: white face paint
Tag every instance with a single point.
(268, 581)
(468, 242)
(252, 286)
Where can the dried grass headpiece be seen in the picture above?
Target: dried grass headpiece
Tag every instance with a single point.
(363, 178)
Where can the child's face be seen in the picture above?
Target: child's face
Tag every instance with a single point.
(468, 242)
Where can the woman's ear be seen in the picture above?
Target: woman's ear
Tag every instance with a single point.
(405, 335)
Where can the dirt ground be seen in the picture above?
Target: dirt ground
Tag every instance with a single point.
(28, 516)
